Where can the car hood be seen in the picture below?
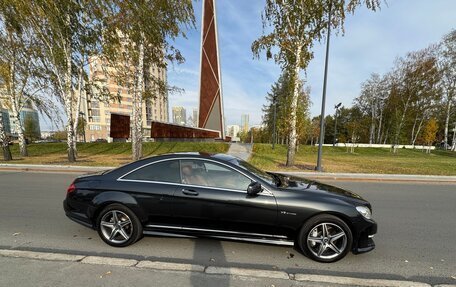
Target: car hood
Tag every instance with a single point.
(294, 183)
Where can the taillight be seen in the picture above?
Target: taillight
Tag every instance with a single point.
(71, 188)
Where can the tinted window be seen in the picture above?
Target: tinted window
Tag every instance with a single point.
(167, 171)
(197, 172)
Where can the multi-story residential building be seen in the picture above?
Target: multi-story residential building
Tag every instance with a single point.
(179, 116)
(233, 132)
(245, 123)
(195, 118)
(97, 112)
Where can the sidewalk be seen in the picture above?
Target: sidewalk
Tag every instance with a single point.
(27, 268)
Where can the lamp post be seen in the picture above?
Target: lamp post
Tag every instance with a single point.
(335, 123)
(81, 114)
(274, 136)
(323, 101)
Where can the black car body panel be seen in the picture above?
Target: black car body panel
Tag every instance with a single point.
(274, 215)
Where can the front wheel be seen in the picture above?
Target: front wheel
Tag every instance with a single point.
(118, 226)
(325, 238)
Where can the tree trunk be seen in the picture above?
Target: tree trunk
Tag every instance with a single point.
(379, 130)
(137, 104)
(453, 147)
(418, 130)
(20, 131)
(372, 127)
(4, 140)
(78, 104)
(412, 141)
(447, 120)
(294, 104)
(14, 105)
(69, 99)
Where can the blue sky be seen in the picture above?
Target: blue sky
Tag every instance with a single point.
(371, 43)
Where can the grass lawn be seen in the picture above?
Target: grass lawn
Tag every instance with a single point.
(364, 160)
(106, 154)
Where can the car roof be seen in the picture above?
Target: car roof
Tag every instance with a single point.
(219, 156)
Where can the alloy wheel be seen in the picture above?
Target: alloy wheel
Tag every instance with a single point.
(116, 226)
(327, 240)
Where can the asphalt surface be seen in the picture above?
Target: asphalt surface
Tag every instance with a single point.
(416, 239)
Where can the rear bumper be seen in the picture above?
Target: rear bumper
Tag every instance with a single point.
(76, 216)
(364, 242)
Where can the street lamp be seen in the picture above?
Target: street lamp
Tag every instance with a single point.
(335, 123)
(323, 101)
(82, 114)
(274, 136)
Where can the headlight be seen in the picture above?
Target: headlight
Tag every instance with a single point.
(364, 211)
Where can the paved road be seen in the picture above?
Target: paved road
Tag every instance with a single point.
(416, 240)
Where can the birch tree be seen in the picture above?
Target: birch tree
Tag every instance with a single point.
(60, 28)
(19, 70)
(447, 66)
(137, 36)
(292, 26)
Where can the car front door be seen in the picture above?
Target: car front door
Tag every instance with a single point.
(214, 196)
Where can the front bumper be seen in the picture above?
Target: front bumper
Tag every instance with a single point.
(362, 240)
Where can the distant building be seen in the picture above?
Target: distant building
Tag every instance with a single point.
(28, 113)
(47, 134)
(233, 132)
(195, 118)
(6, 121)
(97, 113)
(179, 116)
(245, 123)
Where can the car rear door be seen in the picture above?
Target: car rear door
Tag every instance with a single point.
(215, 198)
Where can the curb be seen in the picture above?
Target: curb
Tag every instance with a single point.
(374, 177)
(358, 281)
(211, 270)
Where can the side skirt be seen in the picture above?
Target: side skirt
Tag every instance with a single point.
(188, 232)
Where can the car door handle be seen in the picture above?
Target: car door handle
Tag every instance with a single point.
(190, 192)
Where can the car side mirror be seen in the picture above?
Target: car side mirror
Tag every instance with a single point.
(254, 188)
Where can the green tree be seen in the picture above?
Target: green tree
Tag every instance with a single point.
(31, 128)
(293, 26)
(280, 98)
(82, 124)
(4, 140)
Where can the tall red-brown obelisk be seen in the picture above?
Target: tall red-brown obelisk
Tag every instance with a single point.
(210, 101)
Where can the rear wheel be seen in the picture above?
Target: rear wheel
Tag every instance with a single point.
(118, 226)
(325, 238)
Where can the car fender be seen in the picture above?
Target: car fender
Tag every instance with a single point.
(108, 197)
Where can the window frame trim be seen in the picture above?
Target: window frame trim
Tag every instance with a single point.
(266, 191)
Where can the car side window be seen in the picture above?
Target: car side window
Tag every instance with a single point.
(165, 171)
(204, 173)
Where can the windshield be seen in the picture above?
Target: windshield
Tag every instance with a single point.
(256, 171)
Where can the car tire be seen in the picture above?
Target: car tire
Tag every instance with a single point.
(118, 226)
(325, 238)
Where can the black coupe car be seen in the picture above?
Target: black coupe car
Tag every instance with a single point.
(220, 196)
